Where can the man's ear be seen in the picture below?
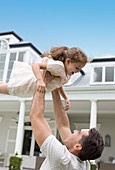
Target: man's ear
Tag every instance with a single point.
(78, 147)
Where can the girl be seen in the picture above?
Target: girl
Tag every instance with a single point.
(61, 61)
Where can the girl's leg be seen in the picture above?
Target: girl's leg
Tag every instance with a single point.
(4, 88)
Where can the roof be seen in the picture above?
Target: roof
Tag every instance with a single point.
(103, 59)
(25, 44)
(13, 33)
(21, 43)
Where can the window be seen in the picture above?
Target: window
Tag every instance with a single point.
(4, 45)
(27, 144)
(107, 140)
(11, 62)
(36, 149)
(97, 74)
(21, 56)
(109, 74)
(2, 64)
(104, 74)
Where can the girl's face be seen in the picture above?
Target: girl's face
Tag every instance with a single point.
(73, 67)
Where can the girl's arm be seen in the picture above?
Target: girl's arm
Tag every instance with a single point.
(61, 117)
(41, 87)
(63, 94)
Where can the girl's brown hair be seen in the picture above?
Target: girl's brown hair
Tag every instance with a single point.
(63, 52)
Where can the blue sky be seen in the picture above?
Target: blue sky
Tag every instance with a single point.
(88, 24)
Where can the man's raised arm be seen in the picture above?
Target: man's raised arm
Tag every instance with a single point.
(61, 117)
(40, 126)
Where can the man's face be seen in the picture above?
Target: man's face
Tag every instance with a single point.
(77, 135)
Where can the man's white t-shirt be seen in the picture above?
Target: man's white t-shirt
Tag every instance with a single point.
(59, 158)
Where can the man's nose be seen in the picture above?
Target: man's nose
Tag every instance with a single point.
(75, 131)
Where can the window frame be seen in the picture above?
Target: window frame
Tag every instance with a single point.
(103, 66)
(28, 52)
(7, 60)
(2, 46)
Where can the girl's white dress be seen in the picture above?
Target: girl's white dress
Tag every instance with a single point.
(22, 81)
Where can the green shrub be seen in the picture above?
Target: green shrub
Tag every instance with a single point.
(93, 166)
(15, 162)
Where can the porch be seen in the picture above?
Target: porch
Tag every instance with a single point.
(94, 107)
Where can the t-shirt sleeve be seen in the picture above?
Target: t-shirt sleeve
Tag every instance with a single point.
(56, 68)
(54, 150)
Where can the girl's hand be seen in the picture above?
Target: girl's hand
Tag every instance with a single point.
(41, 87)
(67, 104)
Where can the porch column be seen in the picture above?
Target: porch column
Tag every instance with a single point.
(93, 114)
(20, 129)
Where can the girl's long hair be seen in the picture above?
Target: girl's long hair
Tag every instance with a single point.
(62, 53)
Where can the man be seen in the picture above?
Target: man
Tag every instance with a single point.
(78, 147)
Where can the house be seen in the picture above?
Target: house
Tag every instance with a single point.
(91, 93)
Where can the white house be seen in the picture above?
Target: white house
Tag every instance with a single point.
(91, 93)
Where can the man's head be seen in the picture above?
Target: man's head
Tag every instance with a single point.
(92, 145)
(86, 144)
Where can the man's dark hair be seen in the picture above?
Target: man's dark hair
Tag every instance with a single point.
(92, 145)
